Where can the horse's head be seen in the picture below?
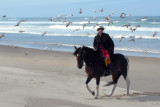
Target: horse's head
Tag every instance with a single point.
(79, 53)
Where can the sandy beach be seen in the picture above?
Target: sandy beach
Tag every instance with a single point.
(51, 79)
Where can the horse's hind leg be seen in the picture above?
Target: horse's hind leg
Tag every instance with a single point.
(114, 87)
(115, 80)
(87, 81)
(128, 83)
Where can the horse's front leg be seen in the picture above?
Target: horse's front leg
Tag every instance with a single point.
(97, 88)
(87, 81)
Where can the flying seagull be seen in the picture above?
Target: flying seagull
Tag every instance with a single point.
(94, 18)
(122, 15)
(107, 18)
(44, 33)
(154, 33)
(76, 30)
(52, 19)
(101, 10)
(136, 27)
(84, 26)
(26, 53)
(70, 15)
(80, 12)
(48, 48)
(131, 40)
(127, 25)
(121, 38)
(67, 24)
(139, 37)
(18, 23)
(4, 16)
(95, 25)
(59, 44)
(21, 31)
(109, 22)
(2, 35)
(112, 12)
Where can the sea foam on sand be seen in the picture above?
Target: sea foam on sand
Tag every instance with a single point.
(34, 88)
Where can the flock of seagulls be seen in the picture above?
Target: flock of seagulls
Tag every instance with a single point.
(108, 19)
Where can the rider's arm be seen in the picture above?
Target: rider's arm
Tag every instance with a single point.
(111, 43)
(95, 44)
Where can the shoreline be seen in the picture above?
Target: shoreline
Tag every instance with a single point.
(136, 54)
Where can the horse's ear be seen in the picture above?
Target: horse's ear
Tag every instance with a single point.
(75, 47)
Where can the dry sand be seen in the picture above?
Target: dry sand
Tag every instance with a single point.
(51, 79)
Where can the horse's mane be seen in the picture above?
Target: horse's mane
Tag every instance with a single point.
(91, 56)
(89, 50)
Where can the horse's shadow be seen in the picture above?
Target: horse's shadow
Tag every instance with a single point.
(137, 97)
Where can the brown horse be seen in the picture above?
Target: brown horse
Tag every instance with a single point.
(94, 67)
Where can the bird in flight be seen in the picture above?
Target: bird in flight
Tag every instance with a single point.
(95, 25)
(67, 24)
(122, 15)
(109, 22)
(121, 38)
(127, 25)
(18, 23)
(107, 18)
(52, 19)
(76, 30)
(95, 11)
(4, 16)
(80, 12)
(131, 40)
(44, 33)
(101, 10)
(2, 35)
(84, 26)
(154, 33)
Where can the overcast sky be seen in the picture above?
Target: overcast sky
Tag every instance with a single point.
(49, 8)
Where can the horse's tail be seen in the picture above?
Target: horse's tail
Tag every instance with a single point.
(126, 78)
(127, 64)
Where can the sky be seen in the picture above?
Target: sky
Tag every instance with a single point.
(51, 8)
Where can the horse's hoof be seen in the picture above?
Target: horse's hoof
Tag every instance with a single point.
(96, 97)
(93, 93)
(110, 95)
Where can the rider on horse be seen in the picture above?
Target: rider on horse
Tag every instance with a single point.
(105, 45)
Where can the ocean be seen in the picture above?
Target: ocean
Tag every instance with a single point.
(62, 38)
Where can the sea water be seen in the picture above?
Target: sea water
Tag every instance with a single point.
(62, 38)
